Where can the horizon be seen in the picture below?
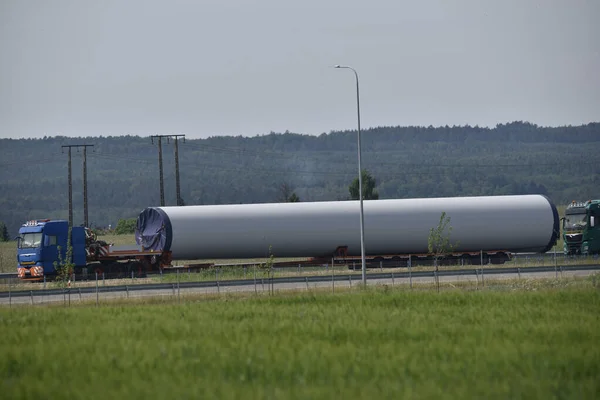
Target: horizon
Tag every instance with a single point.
(363, 129)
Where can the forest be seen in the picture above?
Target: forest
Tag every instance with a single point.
(406, 162)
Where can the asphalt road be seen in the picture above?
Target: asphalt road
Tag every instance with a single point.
(174, 292)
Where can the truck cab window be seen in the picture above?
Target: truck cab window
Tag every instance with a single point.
(50, 240)
(575, 222)
(30, 240)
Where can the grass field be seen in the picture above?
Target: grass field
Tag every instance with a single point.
(377, 343)
(8, 256)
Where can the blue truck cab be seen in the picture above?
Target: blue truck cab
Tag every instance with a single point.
(39, 243)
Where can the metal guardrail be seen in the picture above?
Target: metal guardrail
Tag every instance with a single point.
(294, 279)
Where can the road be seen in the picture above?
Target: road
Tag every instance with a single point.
(211, 288)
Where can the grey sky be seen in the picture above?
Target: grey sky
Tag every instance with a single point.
(217, 67)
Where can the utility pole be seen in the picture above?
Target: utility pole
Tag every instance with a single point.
(160, 166)
(85, 196)
(70, 190)
(85, 202)
(177, 186)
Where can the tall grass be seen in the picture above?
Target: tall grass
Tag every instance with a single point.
(8, 256)
(368, 344)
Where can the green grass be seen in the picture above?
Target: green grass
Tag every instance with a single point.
(8, 256)
(379, 343)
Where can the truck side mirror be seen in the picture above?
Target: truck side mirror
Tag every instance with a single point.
(592, 221)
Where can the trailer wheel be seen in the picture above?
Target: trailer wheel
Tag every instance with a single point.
(466, 259)
(499, 258)
(155, 263)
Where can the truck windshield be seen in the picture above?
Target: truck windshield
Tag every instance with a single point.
(30, 240)
(575, 222)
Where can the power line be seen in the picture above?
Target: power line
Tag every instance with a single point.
(85, 202)
(85, 196)
(27, 163)
(177, 185)
(287, 156)
(238, 151)
(160, 165)
(474, 167)
(331, 165)
(120, 158)
(101, 155)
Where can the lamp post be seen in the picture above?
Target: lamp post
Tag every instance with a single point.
(360, 192)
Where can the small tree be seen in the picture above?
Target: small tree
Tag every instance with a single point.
(368, 187)
(293, 198)
(3, 232)
(438, 243)
(267, 266)
(64, 267)
(287, 194)
(126, 226)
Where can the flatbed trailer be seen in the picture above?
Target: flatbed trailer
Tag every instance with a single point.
(110, 259)
(340, 257)
(404, 260)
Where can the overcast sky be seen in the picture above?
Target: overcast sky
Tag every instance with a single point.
(234, 67)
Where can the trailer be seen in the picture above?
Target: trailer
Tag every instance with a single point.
(485, 229)
(405, 260)
(44, 246)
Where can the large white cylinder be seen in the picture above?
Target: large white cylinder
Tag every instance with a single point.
(527, 223)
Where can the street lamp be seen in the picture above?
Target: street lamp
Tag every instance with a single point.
(360, 192)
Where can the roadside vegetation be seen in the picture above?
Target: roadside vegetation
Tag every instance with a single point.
(527, 342)
(260, 268)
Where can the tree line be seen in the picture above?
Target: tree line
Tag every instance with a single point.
(404, 162)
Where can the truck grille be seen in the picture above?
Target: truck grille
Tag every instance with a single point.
(573, 238)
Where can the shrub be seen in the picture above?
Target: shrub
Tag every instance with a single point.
(126, 226)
